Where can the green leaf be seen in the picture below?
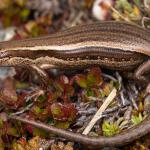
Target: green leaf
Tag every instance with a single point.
(38, 110)
(56, 109)
(62, 125)
(68, 90)
(94, 77)
(123, 4)
(89, 92)
(81, 80)
(42, 98)
(39, 132)
(66, 112)
(12, 131)
(110, 129)
(137, 119)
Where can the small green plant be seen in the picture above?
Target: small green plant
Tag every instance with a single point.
(110, 128)
(136, 119)
(113, 128)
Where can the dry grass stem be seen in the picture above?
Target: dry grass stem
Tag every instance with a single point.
(98, 114)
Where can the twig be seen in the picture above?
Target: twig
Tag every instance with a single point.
(130, 93)
(122, 98)
(92, 98)
(34, 95)
(100, 111)
(23, 110)
(121, 139)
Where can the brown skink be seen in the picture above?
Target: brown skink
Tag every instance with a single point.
(113, 45)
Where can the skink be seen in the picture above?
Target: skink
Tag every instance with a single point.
(114, 45)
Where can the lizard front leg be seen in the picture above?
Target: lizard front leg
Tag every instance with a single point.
(27, 63)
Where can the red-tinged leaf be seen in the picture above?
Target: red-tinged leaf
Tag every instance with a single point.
(81, 80)
(40, 113)
(29, 128)
(8, 95)
(63, 90)
(17, 37)
(48, 109)
(6, 129)
(20, 144)
(72, 112)
(66, 112)
(68, 91)
(59, 86)
(44, 115)
(56, 109)
(21, 99)
(53, 96)
(34, 29)
(94, 77)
